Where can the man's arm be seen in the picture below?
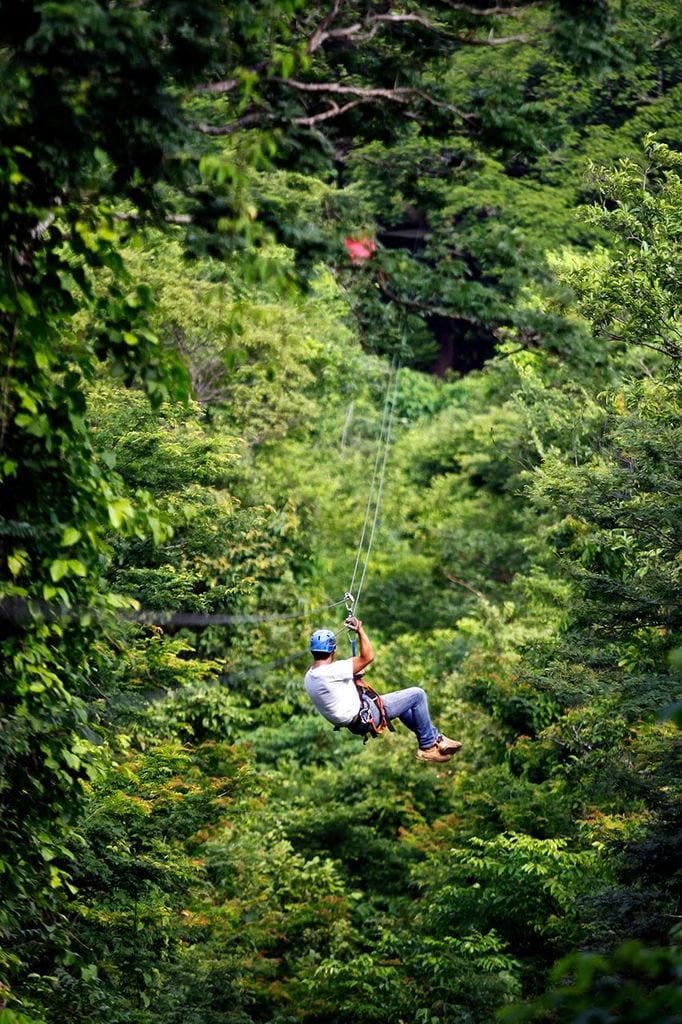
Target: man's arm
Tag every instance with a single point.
(366, 655)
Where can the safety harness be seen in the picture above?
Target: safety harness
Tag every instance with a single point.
(371, 707)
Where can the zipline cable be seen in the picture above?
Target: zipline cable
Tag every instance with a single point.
(19, 610)
(200, 619)
(391, 398)
(377, 457)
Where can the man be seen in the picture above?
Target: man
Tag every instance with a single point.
(331, 686)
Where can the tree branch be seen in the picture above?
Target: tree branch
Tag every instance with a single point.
(467, 586)
(320, 34)
(334, 111)
(398, 95)
(362, 31)
(362, 95)
(225, 86)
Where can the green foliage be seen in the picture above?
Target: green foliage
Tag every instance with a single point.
(521, 887)
(200, 713)
(623, 538)
(141, 862)
(184, 837)
(634, 985)
(633, 299)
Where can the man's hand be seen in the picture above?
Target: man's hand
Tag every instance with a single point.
(366, 655)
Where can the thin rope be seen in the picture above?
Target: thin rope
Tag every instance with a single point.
(380, 489)
(199, 619)
(20, 611)
(382, 429)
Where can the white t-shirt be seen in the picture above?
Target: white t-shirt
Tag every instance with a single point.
(333, 692)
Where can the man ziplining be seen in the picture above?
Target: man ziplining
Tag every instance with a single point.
(336, 690)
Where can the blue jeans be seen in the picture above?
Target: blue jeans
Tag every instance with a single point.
(412, 708)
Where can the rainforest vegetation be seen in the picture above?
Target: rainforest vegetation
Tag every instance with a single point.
(236, 238)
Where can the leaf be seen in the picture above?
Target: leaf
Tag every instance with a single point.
(119, 511)
(71, 759)
(27, 400)
(70, 536)
(16, 562)
(58, 569)
(67, 283)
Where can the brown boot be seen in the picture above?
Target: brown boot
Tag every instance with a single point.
(432, 754)
(447, 746)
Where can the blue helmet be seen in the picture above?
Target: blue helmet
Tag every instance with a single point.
(322, 641)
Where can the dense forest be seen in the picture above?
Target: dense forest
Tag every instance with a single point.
(297, 299)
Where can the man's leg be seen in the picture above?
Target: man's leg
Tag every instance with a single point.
(412, 708)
